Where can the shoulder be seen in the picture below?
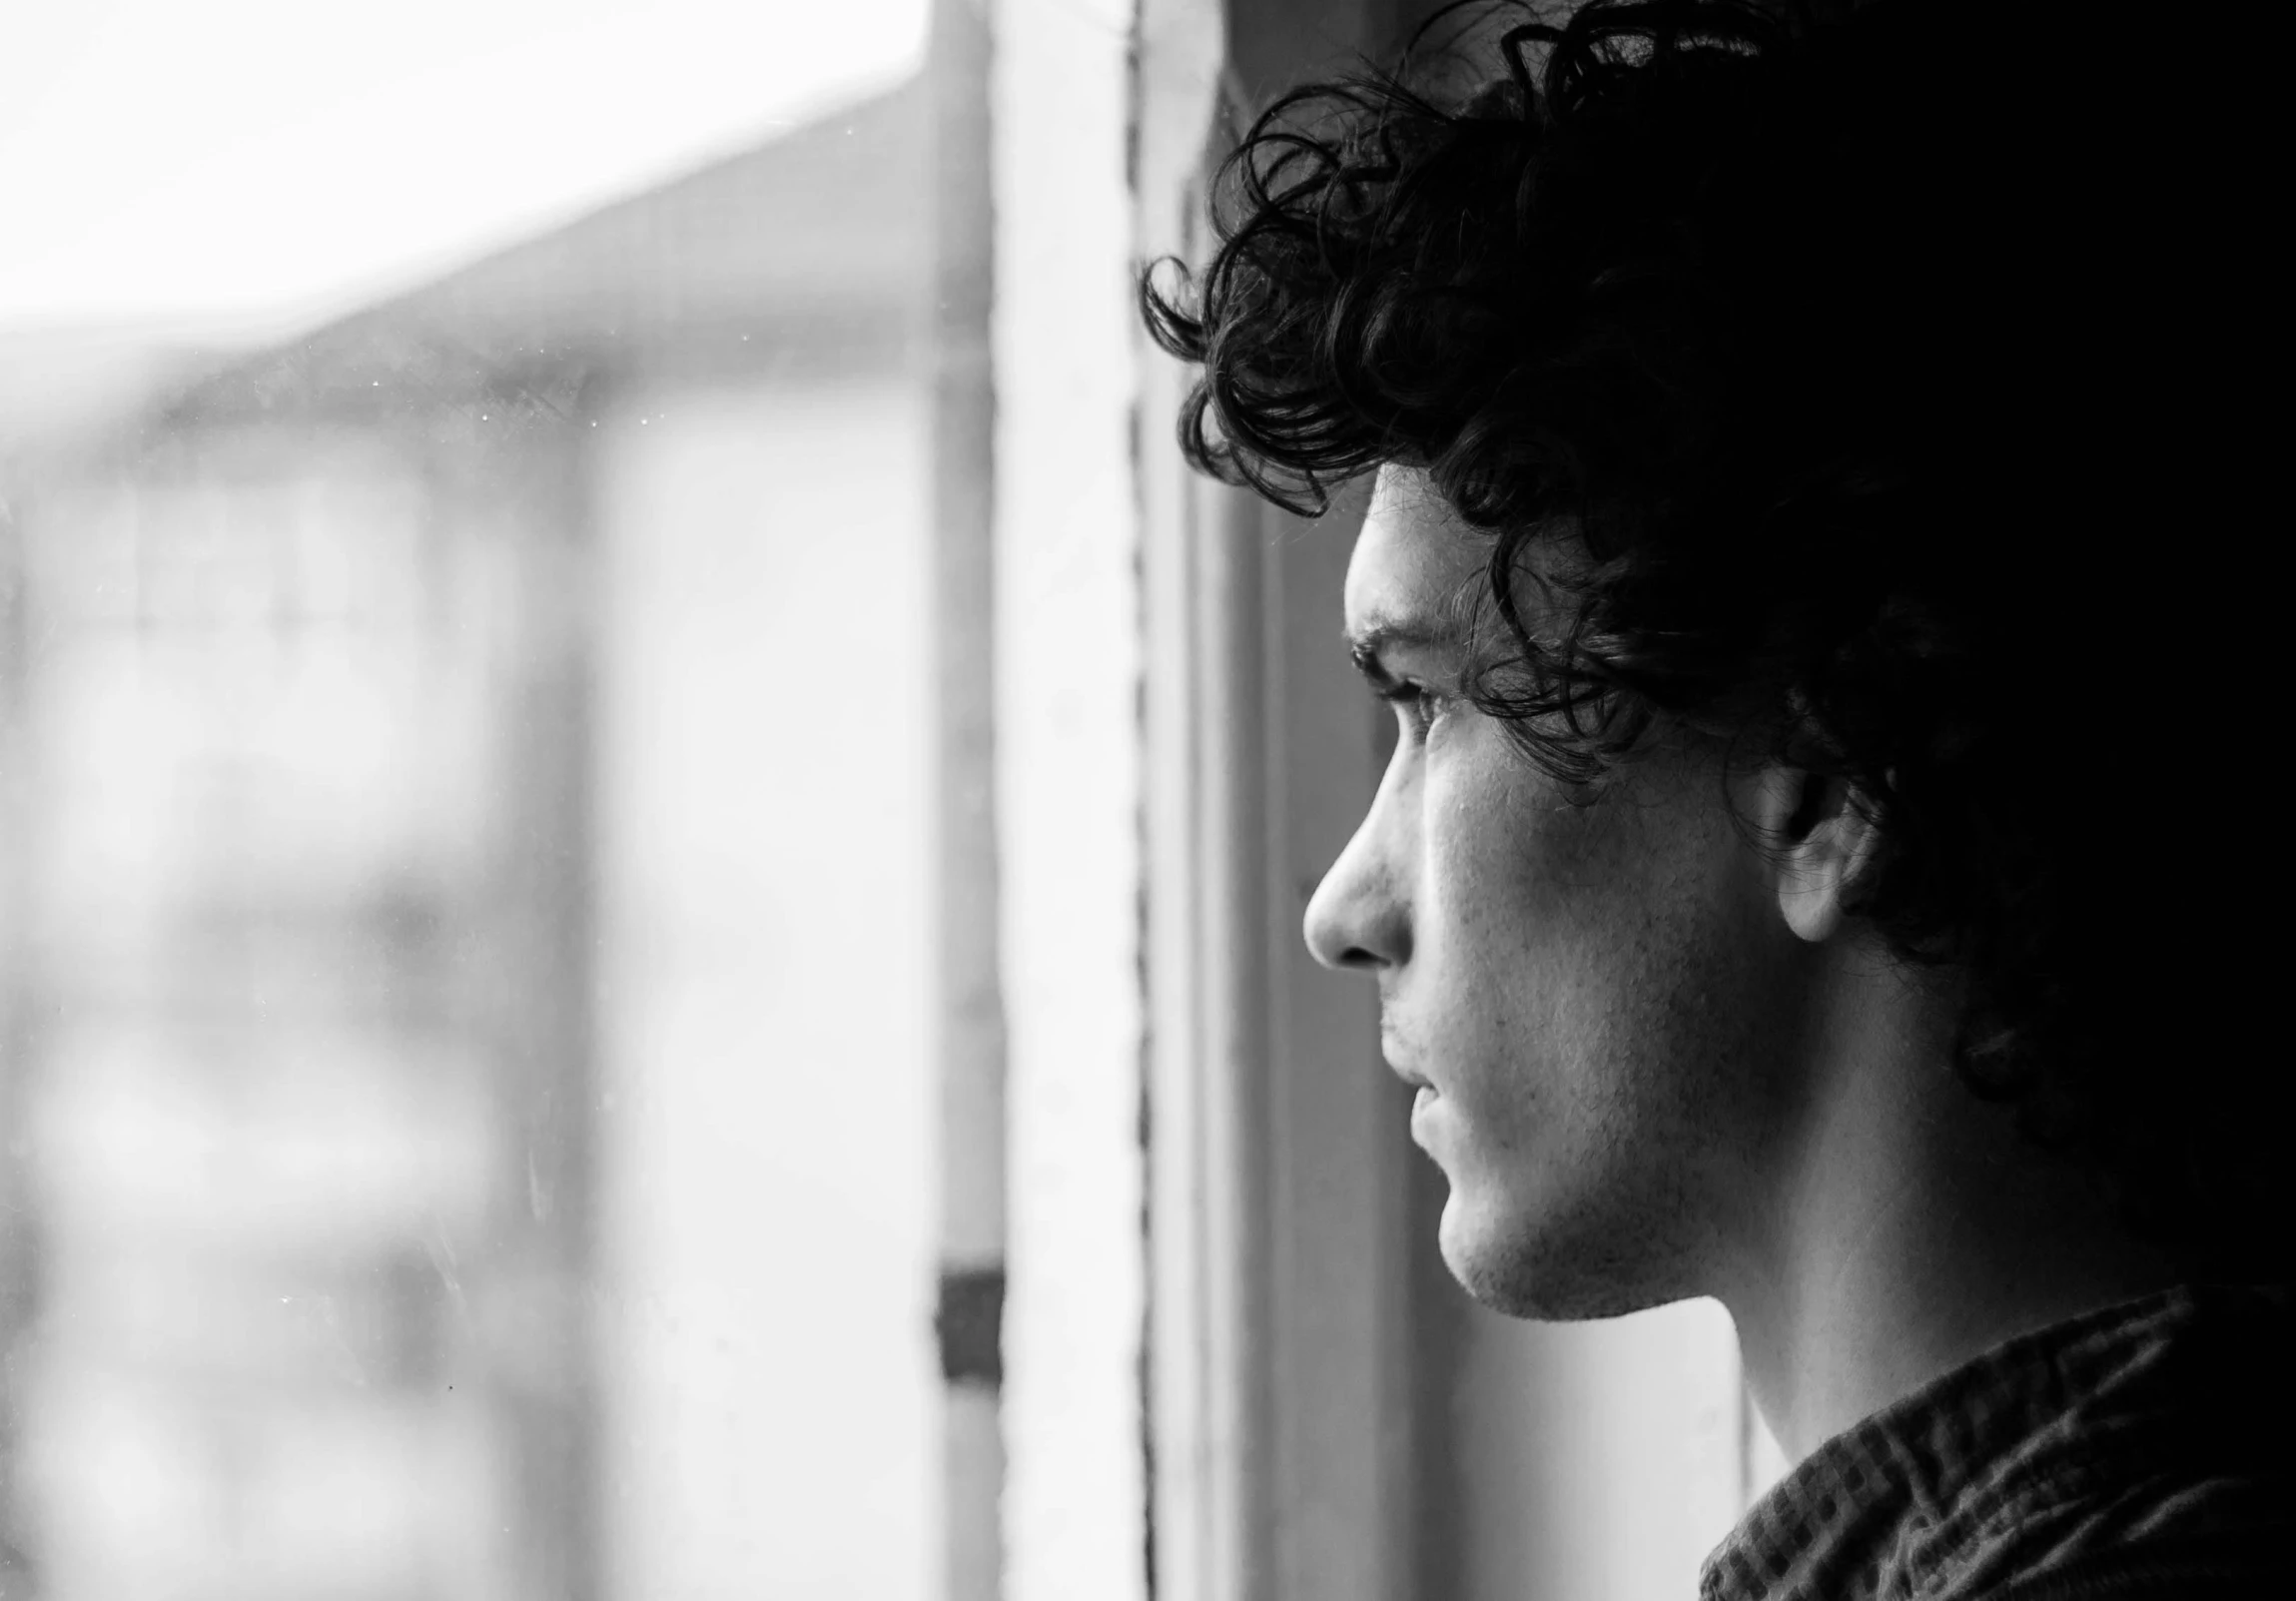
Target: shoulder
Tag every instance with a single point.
(2216, 1537)
(2202, 1569)
(2140, 1452)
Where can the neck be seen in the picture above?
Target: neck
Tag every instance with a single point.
(1909, 1227)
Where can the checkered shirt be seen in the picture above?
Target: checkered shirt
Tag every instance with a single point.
(2056, 1464)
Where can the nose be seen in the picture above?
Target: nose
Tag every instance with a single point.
(1358, 917)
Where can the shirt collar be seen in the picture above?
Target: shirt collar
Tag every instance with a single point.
(1949, 1478)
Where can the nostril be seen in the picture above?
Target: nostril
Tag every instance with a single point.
(1352, 922)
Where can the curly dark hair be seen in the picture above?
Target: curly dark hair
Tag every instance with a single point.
(1841, 355)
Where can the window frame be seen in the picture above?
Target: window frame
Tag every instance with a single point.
(1281, 1369)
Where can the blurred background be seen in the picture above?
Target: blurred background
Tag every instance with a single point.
(458, 724)
(524, 1046)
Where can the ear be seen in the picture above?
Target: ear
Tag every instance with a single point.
(1821, 846)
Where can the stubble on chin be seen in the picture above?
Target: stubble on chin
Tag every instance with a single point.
(1570, 1259)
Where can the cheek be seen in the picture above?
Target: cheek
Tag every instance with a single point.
(1574, 956)
(1511, 875)
(1496, 908)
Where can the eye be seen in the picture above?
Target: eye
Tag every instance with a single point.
(1418, 707)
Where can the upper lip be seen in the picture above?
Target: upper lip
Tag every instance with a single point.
(1396, 1058)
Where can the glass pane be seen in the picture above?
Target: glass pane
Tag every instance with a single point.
(463, 937)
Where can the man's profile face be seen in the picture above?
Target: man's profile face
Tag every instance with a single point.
(1598, 1000)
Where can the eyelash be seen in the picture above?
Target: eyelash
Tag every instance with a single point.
(1419, 705)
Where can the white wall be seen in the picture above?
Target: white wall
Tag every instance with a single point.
(772, 1402)
(1595, 1459)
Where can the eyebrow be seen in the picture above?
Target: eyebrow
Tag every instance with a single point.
(1368, 648)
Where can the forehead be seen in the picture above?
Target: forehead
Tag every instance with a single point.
(1414, 559)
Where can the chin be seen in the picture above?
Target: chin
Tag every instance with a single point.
(1528, 1262)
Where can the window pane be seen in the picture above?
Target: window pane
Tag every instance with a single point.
(464, 742)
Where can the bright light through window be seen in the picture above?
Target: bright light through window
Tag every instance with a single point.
(251, 162)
